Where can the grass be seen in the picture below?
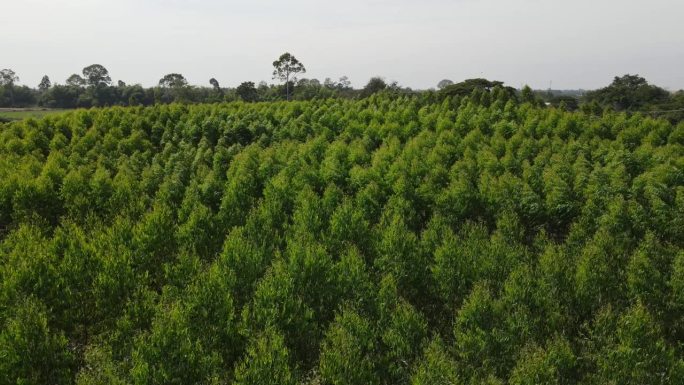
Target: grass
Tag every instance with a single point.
(11, 114)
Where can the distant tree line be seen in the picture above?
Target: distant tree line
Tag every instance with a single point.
(79, 93)
(95, 88)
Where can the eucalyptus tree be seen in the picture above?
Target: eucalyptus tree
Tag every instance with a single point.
(96, 75)
(286, 69)
(173, 80)
(75, 80)
(7, 79)
(44, 84)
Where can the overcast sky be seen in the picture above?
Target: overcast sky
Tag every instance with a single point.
(571, 43)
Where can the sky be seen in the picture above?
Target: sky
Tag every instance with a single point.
(562, 44)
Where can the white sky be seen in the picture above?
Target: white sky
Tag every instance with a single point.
(573, 43)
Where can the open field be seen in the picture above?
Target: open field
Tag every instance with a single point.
(9, 114)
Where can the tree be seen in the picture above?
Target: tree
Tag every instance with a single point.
(630, 350)
(398, 255)
(214, 83)
(539, 366)
(444, 83)
(403, 339)
(247, 92)
(477, 346)
(375, 84)
(564, 102)
(173, 80)
(31, 352)
(75, 80)
(267, 362)
(96, 75)
(286, 69)
(676, 302)
(526, 95)
(99, 368)
(192, 339)
(343, 83)
(121, 84)
(170, 353)
(217, 88)
(7, 79)
(436, 366)
(466, 87)
(44, 84)
(628, 92)
(347, 354)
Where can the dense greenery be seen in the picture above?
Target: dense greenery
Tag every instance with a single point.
(634, 93)
(94, 88)
(630, 93)
(387, 240)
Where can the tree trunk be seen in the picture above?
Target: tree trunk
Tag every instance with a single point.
(287, 87)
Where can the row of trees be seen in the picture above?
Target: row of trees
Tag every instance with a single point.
(413, 239)
(96, 88)
(630, 93)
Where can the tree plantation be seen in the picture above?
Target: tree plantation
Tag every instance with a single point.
(398, 239)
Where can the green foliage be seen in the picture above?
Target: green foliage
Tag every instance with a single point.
(374, 85)
(630, 349)
(394, 239)
(538, 366)
(347, 354)
(31, 352)
(628, 92)
(99, 368)
(436, 367)
(266, 362)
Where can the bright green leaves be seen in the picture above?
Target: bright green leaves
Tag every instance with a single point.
(390, 240)
(436, 367)
(267, 362)
(399, 255)
(630, 349)
(194, 339)
(476, 334)
(552, 365)
(31, 352)
(347, 354)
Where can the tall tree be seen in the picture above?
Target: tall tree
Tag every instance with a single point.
(375, 84)
(344, 83)
(7, 79)
(96, 74)
(44, 84)
(217, 87)
(173, 80)
(214, 83)
(247, 92)
(526, 95)
(267, 362)
(286, 69)
(628, 92)
(75, 80)
(444, 83)
(466, 87)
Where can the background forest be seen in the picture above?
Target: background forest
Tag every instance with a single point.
(95, 88)
(441, 238)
